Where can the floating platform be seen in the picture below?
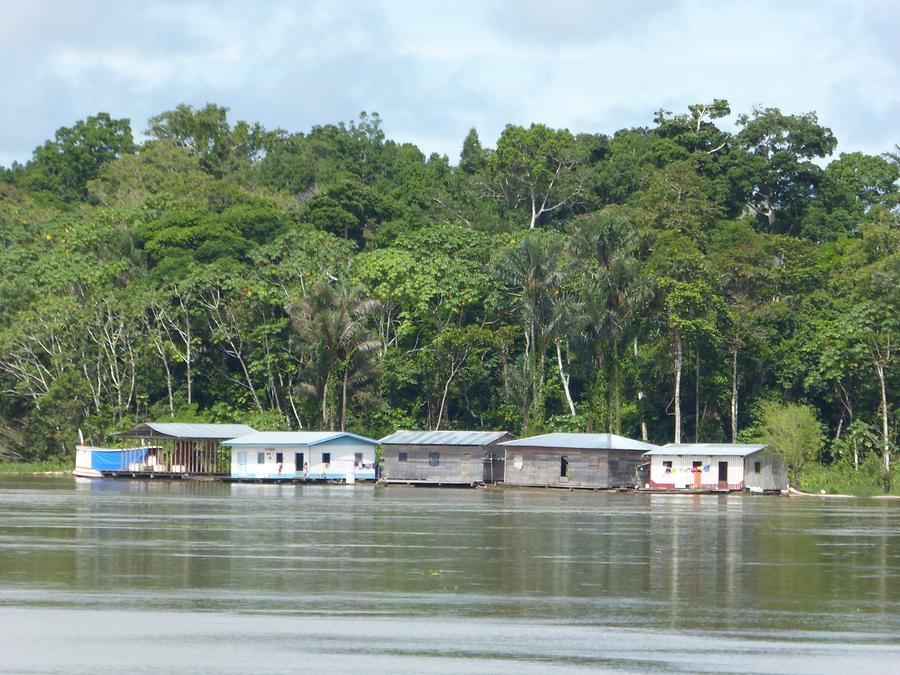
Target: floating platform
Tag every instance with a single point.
(431, 483)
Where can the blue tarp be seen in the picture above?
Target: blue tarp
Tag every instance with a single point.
(117, 460)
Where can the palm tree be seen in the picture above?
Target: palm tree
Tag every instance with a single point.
(334, 323)
(534, 268)
(605, 243)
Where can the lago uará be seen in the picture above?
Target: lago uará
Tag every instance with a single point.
(208, 577)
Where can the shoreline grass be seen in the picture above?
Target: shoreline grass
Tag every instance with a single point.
(46, 466)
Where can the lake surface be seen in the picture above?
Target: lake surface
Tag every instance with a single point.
(170, 577)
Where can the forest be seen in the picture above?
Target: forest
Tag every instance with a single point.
(712, 276)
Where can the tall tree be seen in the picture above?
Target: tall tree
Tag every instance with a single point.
(537, 167)
(334, 322)
(64, 165)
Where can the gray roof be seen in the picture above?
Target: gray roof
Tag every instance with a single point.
(717, 449)
(282, 438)
(443, 437)
(181, 430)
(581, 442)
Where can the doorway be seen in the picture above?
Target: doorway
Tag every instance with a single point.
(493, 469)
(298, 462)
(723, 474)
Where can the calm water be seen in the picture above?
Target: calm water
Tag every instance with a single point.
(165, 577)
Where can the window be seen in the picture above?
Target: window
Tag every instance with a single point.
(696, 465)
(402, 457)
(434, 459)
(242, 459)
(357, 459)
(757, 467)
(563, 467)
(326, 458)
(279, 458)
(667, 465)
(260, 458)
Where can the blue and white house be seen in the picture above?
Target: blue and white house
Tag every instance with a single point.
(302, 455)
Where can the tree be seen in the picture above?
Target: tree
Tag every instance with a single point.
(64, 165)
(333, 320)
(791, 430)
(774, 170)
(206, 134)
(157, 167)
(605, 243)
(537, 167)
(473, 158)
(534, 269)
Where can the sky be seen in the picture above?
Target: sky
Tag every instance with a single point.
(433, 70)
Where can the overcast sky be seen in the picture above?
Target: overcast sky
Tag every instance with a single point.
(435, 69)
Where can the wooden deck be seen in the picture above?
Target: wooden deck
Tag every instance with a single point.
(430, 483)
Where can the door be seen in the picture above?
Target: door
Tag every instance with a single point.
(298, 463)
(493, 469)
(723, 474)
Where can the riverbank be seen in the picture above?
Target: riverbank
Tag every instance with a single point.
(45, 468)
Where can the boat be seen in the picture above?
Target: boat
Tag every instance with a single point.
(93, 462)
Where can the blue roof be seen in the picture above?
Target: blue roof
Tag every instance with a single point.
(443, 437)
(279, 438)
(581, 442)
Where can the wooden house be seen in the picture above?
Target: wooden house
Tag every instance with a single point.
(574, 460)
(443, 457)
(166, 449)
(302, 456)
(717, 466)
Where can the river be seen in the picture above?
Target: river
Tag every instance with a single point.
(154, 576)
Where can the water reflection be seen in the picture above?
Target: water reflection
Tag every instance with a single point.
(761, 568)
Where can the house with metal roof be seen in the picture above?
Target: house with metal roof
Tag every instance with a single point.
(717, 466)
(599, 461)
(163, 450)
(443, 457)
(302, 456)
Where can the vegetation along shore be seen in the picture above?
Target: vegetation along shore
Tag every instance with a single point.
(711, 276)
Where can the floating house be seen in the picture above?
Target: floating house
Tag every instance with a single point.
(302, 456)
(443, 457)
(161, 450)
(717, 466)
(574, 460)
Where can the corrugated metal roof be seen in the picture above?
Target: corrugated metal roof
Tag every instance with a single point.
(581, 442)
(279, 438)
(443, 437)
(718, 449)
(187, 431)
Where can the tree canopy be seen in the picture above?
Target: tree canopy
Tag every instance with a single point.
(688, 279)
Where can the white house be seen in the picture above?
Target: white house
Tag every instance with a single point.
(302, 455)
(716, 466)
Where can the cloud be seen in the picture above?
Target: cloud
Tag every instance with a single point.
(433, 70)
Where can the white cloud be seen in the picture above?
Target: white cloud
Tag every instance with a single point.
(433, 70)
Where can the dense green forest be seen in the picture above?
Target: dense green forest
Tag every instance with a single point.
(708, 277)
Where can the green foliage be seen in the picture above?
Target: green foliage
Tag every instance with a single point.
(793, 431)
(334, 278)
(64, 165)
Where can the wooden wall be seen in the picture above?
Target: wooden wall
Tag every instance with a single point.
(457, 463)
(587, 468)
(772, 474)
